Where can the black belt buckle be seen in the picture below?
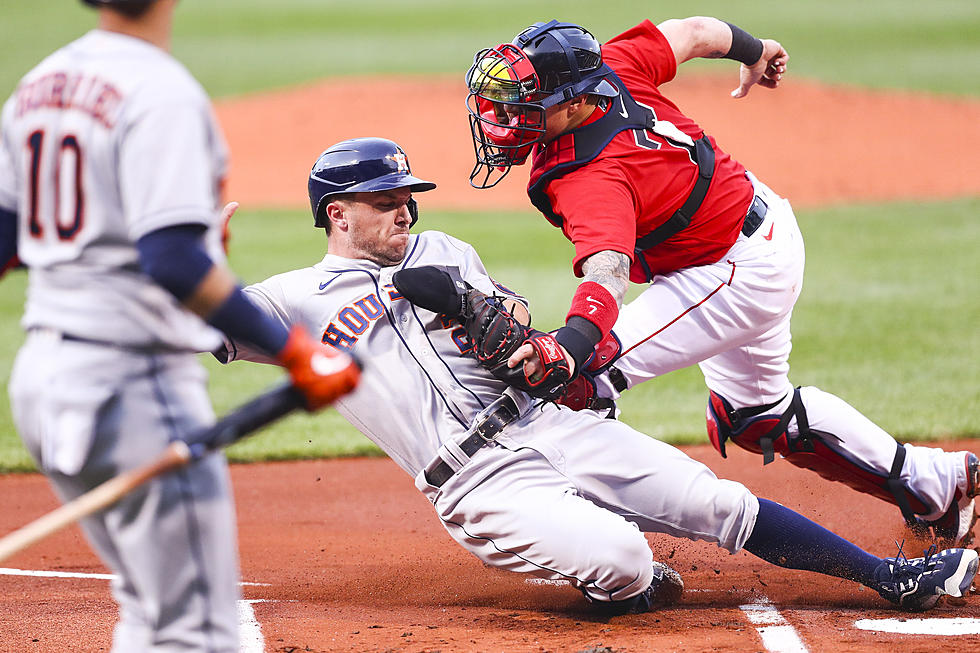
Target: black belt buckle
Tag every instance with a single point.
(490, 426)
(755, 216)
(496, 420)
(484, 432)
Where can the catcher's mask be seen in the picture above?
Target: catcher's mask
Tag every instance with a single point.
(511, 85)
(361, 165)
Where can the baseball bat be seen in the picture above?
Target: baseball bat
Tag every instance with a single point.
(247, 418)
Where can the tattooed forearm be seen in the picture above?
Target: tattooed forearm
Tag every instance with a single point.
(611, 270)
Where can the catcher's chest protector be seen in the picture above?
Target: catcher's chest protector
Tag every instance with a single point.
(584, 144)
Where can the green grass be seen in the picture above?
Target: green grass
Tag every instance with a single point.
(239, 46)
(889, 312)
(887, 320)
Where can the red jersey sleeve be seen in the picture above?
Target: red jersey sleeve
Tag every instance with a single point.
(646, 48)
(598, 210)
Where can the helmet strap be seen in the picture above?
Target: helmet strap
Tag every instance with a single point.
(541, 29)
(566, 47)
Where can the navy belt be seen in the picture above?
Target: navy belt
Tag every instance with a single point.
(755, 216)
(500, 413)
(136, 349)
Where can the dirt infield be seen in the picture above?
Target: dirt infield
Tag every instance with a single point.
(345, 555)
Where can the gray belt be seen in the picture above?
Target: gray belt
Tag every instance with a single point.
(499, 414)
(755, 216)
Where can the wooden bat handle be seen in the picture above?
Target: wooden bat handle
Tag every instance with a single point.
(247, 418)
(174, 456)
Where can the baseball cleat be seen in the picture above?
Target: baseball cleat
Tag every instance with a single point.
(665, 589)
(955, 527)
(918, 584)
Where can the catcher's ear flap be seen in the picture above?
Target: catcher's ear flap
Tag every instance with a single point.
(432, 288)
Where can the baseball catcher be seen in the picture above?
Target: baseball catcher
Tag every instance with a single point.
(493, 329)
(646, 196)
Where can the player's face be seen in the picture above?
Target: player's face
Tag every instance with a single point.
(377, 226)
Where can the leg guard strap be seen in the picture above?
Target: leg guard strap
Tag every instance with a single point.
(894, 484)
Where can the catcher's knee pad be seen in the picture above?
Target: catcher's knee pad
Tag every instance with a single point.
(759, 430)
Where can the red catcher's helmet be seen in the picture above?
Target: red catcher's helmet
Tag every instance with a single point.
(510, 87)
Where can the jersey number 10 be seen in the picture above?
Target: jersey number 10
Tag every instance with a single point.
(66, 176)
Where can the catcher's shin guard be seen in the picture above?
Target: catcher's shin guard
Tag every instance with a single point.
(759, 430)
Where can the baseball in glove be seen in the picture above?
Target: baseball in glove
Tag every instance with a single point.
(493, 330)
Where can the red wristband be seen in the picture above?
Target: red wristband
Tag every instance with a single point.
(594, 303)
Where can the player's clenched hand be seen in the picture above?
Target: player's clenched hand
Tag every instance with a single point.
(767, 71)
(226, 214)
(321, 373)
(527, 356)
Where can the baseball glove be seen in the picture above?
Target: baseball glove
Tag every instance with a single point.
(496, 335)
(493, 331)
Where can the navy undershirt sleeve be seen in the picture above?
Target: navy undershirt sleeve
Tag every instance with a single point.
(174, 257)
(8, 237)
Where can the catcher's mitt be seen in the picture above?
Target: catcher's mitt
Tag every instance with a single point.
(496, 334)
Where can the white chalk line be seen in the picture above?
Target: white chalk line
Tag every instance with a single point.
(250, 639)
(940, 626)
(7, 571)
(249, 630)
(778, 636)
(562, 583)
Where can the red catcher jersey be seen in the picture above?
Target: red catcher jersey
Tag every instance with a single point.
(629, 189)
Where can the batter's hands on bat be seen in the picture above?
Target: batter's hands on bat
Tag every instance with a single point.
(321, 373)
(767, 71)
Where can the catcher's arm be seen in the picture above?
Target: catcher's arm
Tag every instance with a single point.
(595, 307)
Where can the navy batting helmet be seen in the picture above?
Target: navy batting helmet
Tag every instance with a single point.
(361, 165)
(511, 85)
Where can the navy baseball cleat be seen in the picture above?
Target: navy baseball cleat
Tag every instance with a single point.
(918, 584)
(955, 527)
(665, 589)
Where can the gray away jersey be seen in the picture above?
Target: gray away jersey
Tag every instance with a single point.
(421, 385)
(106, 140)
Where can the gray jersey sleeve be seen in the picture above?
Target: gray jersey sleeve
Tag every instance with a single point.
(269, 298)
